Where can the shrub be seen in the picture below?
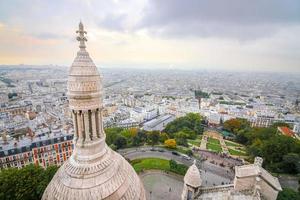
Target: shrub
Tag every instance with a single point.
(170, 143)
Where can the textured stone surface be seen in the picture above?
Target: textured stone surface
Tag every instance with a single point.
(192, 176)
(94, 171)
(251, 182)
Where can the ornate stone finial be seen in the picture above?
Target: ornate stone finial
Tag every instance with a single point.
(195, 162)
(258, 161)
(81, 37)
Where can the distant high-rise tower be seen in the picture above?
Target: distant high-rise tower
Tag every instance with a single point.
(94, 171)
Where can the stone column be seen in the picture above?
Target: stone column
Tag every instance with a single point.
(75, 124)
(100, 132)
(94, 124)
(79, 123)
(86, 126)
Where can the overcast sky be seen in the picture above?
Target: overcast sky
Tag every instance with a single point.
(201, 34)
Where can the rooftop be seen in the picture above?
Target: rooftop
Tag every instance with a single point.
(286, 131)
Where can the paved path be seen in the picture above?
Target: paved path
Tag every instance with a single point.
(203, 142)
(159, 185)
(223, 145)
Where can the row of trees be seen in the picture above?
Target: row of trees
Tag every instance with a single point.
(281, 153)
(181, 129)
(177, 168)
(119, 138)
(27, 183)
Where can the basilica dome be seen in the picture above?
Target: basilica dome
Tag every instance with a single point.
(94, 171)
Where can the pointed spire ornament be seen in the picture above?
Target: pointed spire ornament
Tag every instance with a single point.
(81, 36)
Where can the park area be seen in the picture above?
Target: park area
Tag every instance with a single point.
(235, 149)
(213, 141)
(213, 145)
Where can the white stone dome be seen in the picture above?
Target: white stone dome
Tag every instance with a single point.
(94, 171)
(107, 176)
(192, 176)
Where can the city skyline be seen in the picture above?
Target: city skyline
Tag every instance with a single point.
(252, 36)
(143, 134)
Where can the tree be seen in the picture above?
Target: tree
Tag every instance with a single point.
(177, 168)
(189, 152)
(235, 125)
(133, 132)
(280, 153)
(140, 138)
(255, 148)
(181, 138)
(191, 124)
(241, 138)
(153, 137)
(170, 143)
(120, 142)
(126, 133)
(291, 163)
(275, 148)
(27, 183)
(163, 137)
(288, 194)
(112, 134)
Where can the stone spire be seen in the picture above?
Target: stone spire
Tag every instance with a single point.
(81, 37)
(94, 171)
(192, 182)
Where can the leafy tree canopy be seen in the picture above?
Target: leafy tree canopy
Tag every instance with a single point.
(280, 153)
(170, 143)
(27, 183)
(288, 194)
(190, 124)
(235, 125)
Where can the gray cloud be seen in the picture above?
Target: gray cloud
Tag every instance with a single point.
(49, 36)
(231, 18)
(112, 22)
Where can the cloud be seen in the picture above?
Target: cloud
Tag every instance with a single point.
(231, 34)
(113, 22)
(206, 18)
(49, 36)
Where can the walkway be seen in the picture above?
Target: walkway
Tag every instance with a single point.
(223, 145)
(159, 185)
(203, 142)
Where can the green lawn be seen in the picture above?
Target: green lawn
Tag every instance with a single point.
(194, 142)
(150, 163)
(236, 153)
(232, 144)
(160, 164)
(214, 147)
(213, 141)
